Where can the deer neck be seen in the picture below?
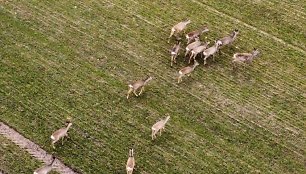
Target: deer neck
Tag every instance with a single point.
(146, 80)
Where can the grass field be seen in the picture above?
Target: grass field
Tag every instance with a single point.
(72, 58)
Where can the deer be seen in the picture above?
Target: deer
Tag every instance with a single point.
(211, 51)
(198, 50)
(159, 126)
(186, 71)
(60, 134)
(45, 169)
(245, 57)
(175, 52)
(130, 164)
(136, 85)
(192, 45)
(196, 34)
(176, 29)
(229, 39)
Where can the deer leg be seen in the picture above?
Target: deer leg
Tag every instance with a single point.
(141, 90)
(129, 92)
(53, 142)
(205, 59)
(63, 141)
(213, 57)
(134, 91)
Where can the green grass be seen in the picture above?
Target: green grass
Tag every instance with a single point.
(15, 160)
(59, 61)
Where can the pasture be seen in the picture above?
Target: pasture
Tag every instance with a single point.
(62, 59)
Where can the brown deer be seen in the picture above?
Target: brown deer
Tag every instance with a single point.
(60, 133)
(196, 34)
(186, 71)
(130, 164)
(192, 45)
(136, 85)
(45, 169)
(229, 39)
(176, 29)
(244, 57)
(159, 126)
(212, 50)
(198, 50)
(175, 52)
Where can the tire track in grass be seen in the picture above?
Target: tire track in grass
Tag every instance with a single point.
(33, 149)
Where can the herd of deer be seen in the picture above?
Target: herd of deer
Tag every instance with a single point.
(194, 47)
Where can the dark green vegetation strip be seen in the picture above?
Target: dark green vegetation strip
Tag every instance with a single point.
(14, 160)
(68, 58)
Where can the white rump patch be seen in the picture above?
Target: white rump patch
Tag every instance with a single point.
(180, 72)
(131, 86)
(35, 173)
(129, 168)
(52, 137)
(173, 52)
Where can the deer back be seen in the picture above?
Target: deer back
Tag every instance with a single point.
(193, 45)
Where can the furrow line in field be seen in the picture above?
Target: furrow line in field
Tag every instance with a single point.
(33, 149)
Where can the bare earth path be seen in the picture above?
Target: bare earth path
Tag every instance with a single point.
(33, 149)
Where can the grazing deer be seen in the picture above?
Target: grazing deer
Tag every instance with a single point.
(229, 39)
(198, 50)
(61, 133)
(212, 50)
(45, 169)
(130, 164)
(136, 85)
(178, 28)
(186, 71)
(159, 126)
(245, 57)
(175, 52)
(193, 45)
(196, 34)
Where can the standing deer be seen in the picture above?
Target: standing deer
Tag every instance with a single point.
(212, 50)
(60, 133)
(45, 169)
(229, 39)
(130, 164)
(175, 52)
(136, 85)
(159, 126)
(244, 57)
(186, 71)
(193, 45)
(198, 50)
(178, 28)
(195, 34)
